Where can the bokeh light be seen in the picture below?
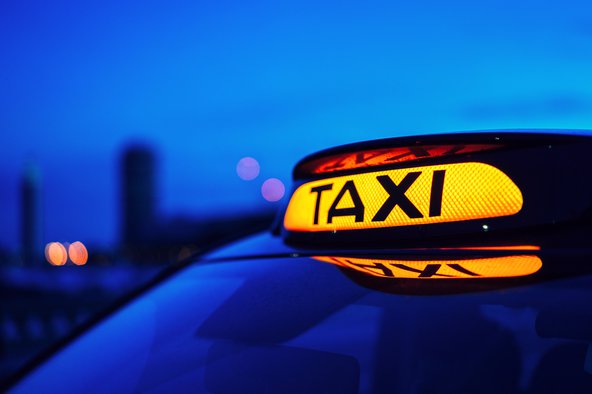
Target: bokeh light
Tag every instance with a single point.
(247, 168)
(56, 253)
(273, 189)
(78, 253)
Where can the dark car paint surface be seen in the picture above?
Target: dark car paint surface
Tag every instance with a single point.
(280, 322)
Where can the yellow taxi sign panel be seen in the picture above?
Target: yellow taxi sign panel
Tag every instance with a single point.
(403, 197)
(492, 267)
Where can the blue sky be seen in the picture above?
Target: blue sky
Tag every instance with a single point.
(210, 82)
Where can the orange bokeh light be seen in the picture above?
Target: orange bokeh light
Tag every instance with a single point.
(78, 253)
(56, 253)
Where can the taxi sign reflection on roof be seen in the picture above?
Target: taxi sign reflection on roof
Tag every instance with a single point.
(385, 156)
(473, 268)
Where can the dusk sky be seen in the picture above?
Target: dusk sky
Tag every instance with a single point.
(207, 83)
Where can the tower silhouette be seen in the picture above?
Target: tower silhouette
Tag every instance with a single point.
(138, 196)
(30, 215)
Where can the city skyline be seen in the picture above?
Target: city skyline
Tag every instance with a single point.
(209, 84)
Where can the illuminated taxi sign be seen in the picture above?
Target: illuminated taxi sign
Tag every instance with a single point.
(403, 197)
(492, 267)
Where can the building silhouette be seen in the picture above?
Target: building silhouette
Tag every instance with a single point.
(30, 216)
(138, 196)
(147, 237)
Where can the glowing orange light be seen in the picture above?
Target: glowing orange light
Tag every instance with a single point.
(492, 267)
(78, 253)
(377, 157)
(512, 247)
(403, 197)
(56, 253)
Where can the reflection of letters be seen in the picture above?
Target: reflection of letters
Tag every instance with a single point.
(468, 268)
(428, 271)
(385, 270)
